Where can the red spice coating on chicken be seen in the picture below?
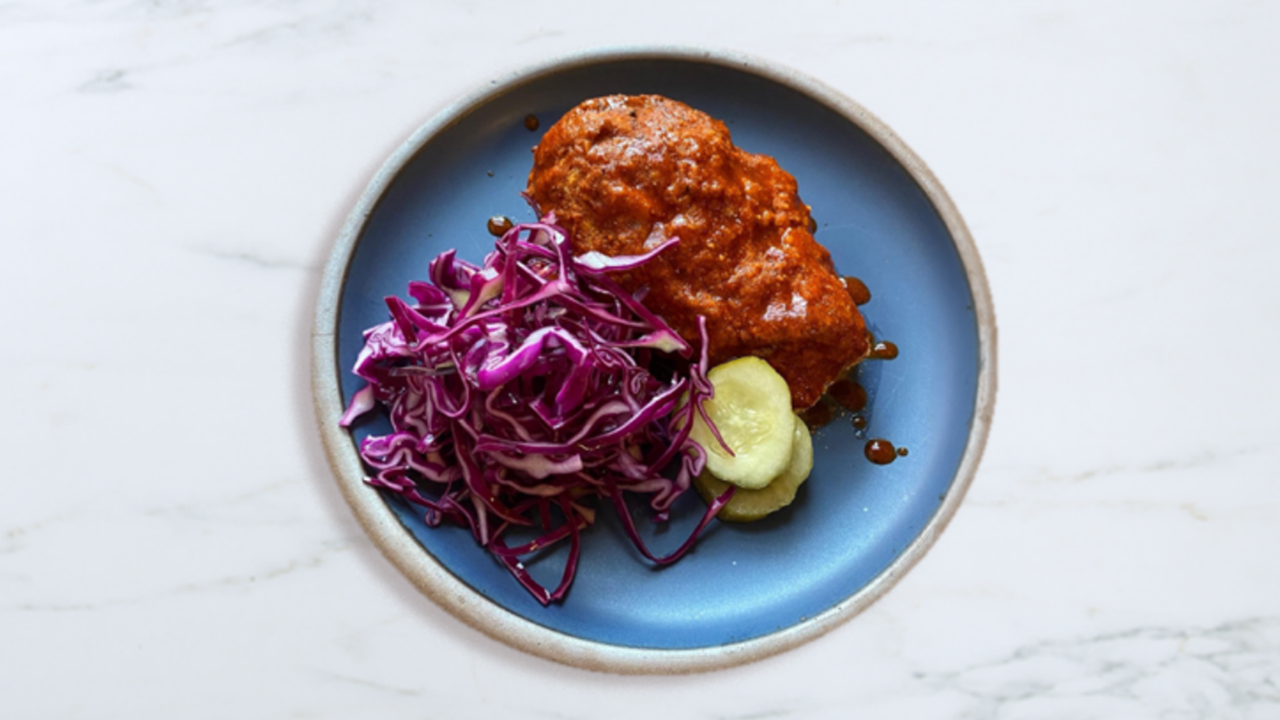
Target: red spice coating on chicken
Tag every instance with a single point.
(624, 173)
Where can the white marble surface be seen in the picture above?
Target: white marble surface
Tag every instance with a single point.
(173, 172)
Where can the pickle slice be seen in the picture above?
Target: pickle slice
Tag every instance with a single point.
(748, 505)
(752, 411)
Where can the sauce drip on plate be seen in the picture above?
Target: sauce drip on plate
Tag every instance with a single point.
(858, 290)
(849, 394)
(880, 451)
(883, 350)
(818, 416)
(499, 225)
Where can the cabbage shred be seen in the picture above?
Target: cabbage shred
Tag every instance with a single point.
(523, 392)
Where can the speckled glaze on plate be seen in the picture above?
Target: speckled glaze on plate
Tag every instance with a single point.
(746, 591)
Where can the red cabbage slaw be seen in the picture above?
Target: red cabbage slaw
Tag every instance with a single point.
(521, 392)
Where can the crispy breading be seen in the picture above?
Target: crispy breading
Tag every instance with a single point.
(625, 173)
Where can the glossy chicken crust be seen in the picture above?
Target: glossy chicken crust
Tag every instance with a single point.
(625, 173)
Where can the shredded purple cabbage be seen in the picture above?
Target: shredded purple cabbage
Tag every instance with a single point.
(525, 386)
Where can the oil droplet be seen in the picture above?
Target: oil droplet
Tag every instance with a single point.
(858, 290)
(530, 122)
(499, 225)
(812, 226)
(880, 451)
(902, 452)
(859, 422)
(884, 350)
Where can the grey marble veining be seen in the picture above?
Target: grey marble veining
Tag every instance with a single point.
(171, 541)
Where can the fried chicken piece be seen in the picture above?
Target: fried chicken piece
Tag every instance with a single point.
(625, 173)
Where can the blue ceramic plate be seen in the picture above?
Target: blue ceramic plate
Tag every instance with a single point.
(746, 590)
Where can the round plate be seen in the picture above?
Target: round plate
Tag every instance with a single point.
(746, 591)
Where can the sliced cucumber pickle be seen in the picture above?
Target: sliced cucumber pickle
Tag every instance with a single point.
(748, 505)
(752, 411)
